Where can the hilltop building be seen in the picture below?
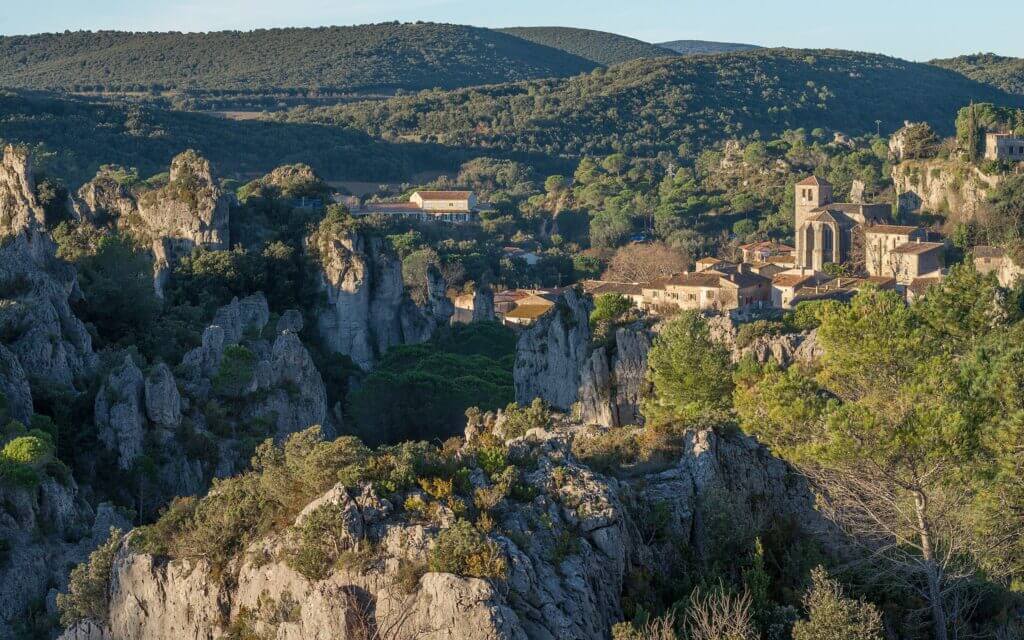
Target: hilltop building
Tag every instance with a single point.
(443, 206)
(989, 259)
(825, 229)
(1004, 146)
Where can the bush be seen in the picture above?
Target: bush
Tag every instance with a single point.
(88, 597)
(833, 616)
(751, 331)
(518, 420)
(609, 309)
(322, 540)
(464, 551)
(32, 450)
(235, 372)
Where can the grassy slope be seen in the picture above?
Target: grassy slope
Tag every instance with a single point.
(599, 46)
(376, 57)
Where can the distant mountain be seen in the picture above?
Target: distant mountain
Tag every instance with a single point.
(598, 46)
(366, 58)
(652, 105)
(697, 47)
(998, 71)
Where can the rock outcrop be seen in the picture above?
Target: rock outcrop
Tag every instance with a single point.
(550, 355)
(368, 309)
(47, 529)
(568, 551)
(120, 412)
(952, 187)
(36, 321)
(784, 349)
(483, 303)
(614, 379)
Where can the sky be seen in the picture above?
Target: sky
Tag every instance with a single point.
(911, 29)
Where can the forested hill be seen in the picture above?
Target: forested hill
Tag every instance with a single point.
(699, 47)
(75, 137)
(647, 106)
(377, 57)
(599, 46)
(998, 71)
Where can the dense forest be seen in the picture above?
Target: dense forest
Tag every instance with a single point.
(599, 46)
(366, 58)
(74, 137)
(647, 106)
(701, 47)
(999, 71)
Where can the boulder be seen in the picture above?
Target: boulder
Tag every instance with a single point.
(163, 402)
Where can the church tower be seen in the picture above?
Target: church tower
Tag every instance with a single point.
(811, 193)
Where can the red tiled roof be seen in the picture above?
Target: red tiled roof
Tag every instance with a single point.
(917, 248)
(814, 181)
(892, 229)
(445, 195)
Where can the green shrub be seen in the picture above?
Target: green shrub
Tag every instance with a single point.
(519, 420)
(751, 331)
(321, 541)
(461, 549)
(32, 450)
(88, 596)
(831, 615)
(235, 372)
(609, 308)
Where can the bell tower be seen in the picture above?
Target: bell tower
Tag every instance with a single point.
(811, 193)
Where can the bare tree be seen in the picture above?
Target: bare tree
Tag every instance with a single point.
(645, 262)
(720, 616)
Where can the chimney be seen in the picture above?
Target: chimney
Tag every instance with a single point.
(918, 239)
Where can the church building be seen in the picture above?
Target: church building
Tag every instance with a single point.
(824, 229)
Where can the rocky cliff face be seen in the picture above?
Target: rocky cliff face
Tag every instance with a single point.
(237, 384)
(951, 187)
(368, 310)
(614, 379)
(37, 325)
(568, 549)
(550, 355)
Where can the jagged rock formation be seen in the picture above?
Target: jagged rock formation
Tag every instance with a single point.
(483, 303)
(368, 309)
(189, 211)
(552, 590)
(784, 349)
(36, 321)
(48, 529)
(551, 353)
(614, 379)
(952, 187)
(270, 389)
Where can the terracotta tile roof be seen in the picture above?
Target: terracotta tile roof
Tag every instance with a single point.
(814, 181)
(892, 229)
(701, 279)
(882, 282)
(791, 279)
(529, 311)
(709, 260)
(988, 251)
(917, 248)
(444, 195)
(767, 244)
(920, 285)
(822, 215)
(748, 279)
(625, 288)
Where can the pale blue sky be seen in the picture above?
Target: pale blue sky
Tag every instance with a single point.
(914, 29)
